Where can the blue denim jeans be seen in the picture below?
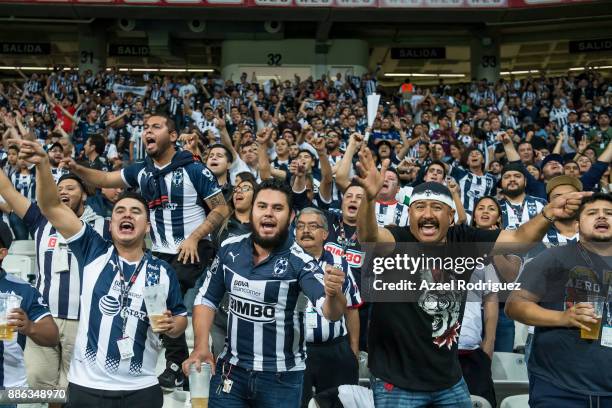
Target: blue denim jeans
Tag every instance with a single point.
(456, 396)
(504, 335)
(261, 389)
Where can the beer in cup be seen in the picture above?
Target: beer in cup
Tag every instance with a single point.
(8, 302)
(598, 303)
(199, 385)
(155, 301)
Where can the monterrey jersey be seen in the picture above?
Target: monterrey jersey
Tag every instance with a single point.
(205, 125)
(96, 362)
(391, 213)
(473, 187)
(265, 328)
(25, 184)
(60, 288)
(12, 366)
(187, 188)
(323, 330)
(343, 241)
(514, 215)
(57, 173)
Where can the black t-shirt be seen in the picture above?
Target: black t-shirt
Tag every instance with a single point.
(413, 345)
(560, 277)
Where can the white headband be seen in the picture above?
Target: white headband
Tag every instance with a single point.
(434, 196)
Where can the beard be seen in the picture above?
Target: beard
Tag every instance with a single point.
(271, 242)
(513, 193)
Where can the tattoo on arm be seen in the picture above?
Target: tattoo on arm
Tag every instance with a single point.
(215, 201)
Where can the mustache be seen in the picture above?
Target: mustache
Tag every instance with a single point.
(432, 221)
(307, 236)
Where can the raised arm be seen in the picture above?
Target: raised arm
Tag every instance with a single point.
(559, 143)
(79, 99)
(371, 180)
(225, 138)
(187, 104)
(278, 106)
(511, 153)
(204, 90)
(453, 186)
(97, 178)
(346, 163)
(125, 113)
(325, 188)
(59, 214)
(563, 207)
(262, 138)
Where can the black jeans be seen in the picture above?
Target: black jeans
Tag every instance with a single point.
(329, 365)
(83, 397)
(188, 274)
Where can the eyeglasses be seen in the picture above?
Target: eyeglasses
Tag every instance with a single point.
(243, 189)
(300, 226)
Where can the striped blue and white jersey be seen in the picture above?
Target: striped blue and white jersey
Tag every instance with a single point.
(12, 366)
(324, 330)
(473, 187)
(513, 215)
(58, 172)
(96, 362)
(60, 288)
(187, 187)
(391, 213)
(265, 327)
(25, 184)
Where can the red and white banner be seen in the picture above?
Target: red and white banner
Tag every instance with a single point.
(446, 4)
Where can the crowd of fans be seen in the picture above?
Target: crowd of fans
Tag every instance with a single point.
(503, 151)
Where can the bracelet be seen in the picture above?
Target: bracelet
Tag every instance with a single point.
(551, 220)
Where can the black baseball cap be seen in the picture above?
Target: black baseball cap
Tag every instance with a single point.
(72, 176)
(52, 146)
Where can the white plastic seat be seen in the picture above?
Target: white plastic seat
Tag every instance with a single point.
(479, 402)
(19, 265)
(177, 399)
(516, 401)
(509, 366)
(25, 247)
(509, 375)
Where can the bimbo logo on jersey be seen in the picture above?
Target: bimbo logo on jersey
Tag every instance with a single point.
(354, 258)
(252, 310)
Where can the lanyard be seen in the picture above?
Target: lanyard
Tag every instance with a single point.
(125, 289)
(342, 238)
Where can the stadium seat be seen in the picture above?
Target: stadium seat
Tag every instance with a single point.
(21, 266)
(364, 372)
(509, 375)
(516, 401)
(479, 402)
(509, 366)
(27, 248)
(312, 403)
(177, 399)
